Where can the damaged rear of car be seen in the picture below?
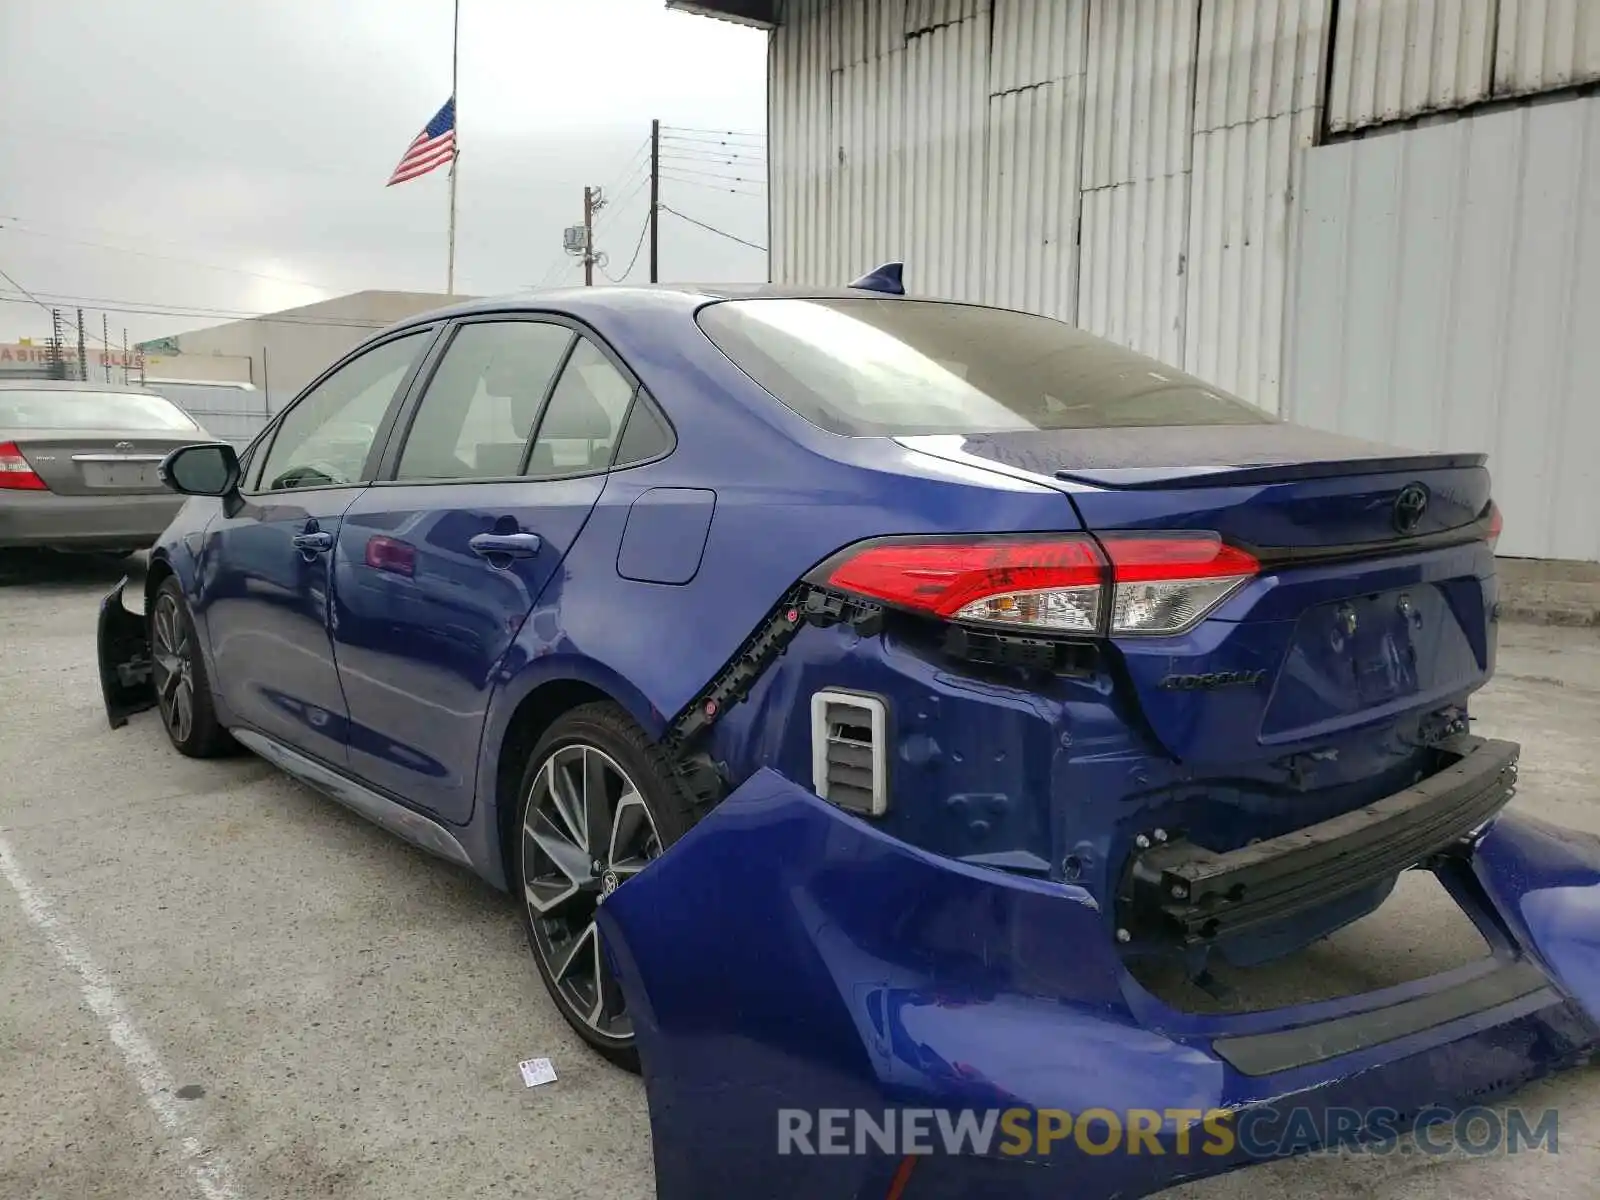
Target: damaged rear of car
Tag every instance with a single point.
(997, 781)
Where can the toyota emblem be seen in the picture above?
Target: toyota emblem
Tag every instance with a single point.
(1409, 507)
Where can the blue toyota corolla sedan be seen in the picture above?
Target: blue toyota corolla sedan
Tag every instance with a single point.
(861, 694)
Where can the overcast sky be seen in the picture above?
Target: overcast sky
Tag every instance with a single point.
(256, 136)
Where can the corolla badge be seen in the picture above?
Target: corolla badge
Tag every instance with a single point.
(1409, 506)
(1211, 681)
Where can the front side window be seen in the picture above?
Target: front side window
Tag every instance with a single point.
(578, 431)
(132, 412)
(475, 418)
(885, 367)
(324, 440)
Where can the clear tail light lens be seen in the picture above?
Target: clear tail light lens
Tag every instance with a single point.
(1150, 584)
(1167, 583)
(16, 473)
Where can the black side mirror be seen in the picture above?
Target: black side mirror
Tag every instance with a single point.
(210, 469)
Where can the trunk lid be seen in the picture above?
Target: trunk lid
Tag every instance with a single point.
(1374, 598)
(97, 462)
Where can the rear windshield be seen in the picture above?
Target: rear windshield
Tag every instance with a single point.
(900, 367)
(50, 409)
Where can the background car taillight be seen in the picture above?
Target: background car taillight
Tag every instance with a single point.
(16, 473)
(1159, 583)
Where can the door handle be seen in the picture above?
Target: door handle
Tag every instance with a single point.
(315, 542)
(505, 545)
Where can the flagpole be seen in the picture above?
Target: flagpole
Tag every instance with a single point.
(455, 156)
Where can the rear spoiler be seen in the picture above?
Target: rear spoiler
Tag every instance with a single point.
(1164, 478)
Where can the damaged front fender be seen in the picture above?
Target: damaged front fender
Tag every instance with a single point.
(122, 644)
(786, 958)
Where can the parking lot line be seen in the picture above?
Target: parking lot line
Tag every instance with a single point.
(208, 1166)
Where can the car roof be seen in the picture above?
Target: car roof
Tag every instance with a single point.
(620, 298)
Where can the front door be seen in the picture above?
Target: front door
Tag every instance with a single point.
(265, 580)
(440, 562)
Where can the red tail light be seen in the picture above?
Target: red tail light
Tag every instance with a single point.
(1495, 523)
(1066, 583)
(16, 473)
(1166, 583)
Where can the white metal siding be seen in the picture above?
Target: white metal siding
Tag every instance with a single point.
(1396, 58)
(1258, 90)
(1138, 114)
(1545, 44)
(1037, 65)
(1448, 297)
(1145, 169)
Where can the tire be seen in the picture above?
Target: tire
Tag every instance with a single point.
(561, 892)
(178, 673)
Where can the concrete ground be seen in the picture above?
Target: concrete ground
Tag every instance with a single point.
(214, 982)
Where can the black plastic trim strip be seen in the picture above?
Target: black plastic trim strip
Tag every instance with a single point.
(1274, 557)
(1269, 1053)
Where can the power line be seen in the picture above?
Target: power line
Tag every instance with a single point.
(26, 292)
(754, 135)
(732, 237)
(140, 308)
(715, 149)
(632, 262)
(711, 187)
(189, 262)
(717, 175)
(714, 157)
(615, 207)
(52, 310)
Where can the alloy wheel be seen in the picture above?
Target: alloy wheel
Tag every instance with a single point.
(586, 831)
(172, 663)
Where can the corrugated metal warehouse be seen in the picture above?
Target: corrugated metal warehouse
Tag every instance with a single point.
(1375, 216)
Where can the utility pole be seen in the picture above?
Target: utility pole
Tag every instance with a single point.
(105, 344)
(588, 237)
(593, 201)
(655, 195)
(125, 355)
(58, 356)
(83, 354)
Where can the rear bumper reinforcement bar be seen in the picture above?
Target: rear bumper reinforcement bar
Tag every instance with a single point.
(1177, 892)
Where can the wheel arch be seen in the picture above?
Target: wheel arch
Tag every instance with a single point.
(519, 718)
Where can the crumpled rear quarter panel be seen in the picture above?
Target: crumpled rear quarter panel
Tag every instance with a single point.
(784, 954)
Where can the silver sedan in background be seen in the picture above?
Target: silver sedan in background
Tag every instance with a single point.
(78, 465)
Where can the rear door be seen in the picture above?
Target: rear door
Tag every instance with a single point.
(265, 582)
(486, 486)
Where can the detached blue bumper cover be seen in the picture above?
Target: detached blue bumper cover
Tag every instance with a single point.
(787, 956)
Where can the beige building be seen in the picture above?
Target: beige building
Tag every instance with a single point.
(281, 352)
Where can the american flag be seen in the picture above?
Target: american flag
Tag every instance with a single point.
(433, 147)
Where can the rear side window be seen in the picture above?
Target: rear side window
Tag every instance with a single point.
(579, 428)
(903, 367)
(646, 435)
(475, 418)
